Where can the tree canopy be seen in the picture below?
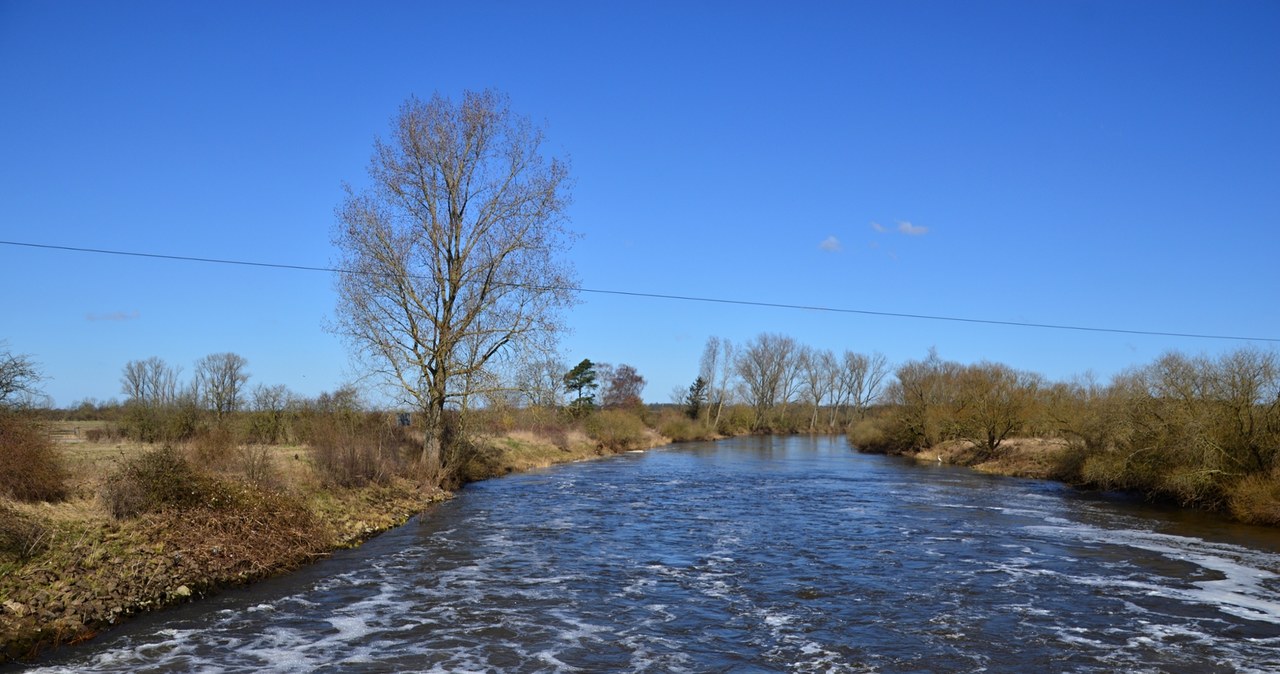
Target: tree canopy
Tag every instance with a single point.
(452, 257)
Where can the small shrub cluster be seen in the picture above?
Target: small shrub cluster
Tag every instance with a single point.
(31, 469)
(97, 435)
(868, 435)
(162, 479)
(153, 423)
(615, 430)
(735, 420)
(215, 448)
(1256, 499)
(254, 462)
(680, 428)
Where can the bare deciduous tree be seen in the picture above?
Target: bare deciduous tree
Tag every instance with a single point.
(623, 387)
(19, 378)
(995, 401)
(818, 374)
(862, 380)
(452, 256)
(270, 404)
(220, 380)
(540, 381)
(766, 366)
(925, 393)
(150, 382)
(717, 369)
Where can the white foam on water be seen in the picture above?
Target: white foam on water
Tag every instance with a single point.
(1158, 634)
(775, 620)
(578, 630)
(349, 627)
(1079, 637)
(1241, 591)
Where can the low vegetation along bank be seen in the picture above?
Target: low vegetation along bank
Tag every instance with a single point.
(1197, 431)
(96, 527)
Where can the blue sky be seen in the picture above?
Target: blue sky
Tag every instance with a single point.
(1104, 164)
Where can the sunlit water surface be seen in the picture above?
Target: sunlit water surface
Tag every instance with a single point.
(751, 555)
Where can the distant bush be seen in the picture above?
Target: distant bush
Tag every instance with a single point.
(735, 420)
(615, 430)
(152, 423)
(161, 479)
(21, 536)
(31, 468)
(96, 435)
(680, 428)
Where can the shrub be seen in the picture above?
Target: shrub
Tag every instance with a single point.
(1256, 499)
(1068, 464)
(148, 423)
(31, 468)
(95, 435)
(735, 420)
(615, 430)
(1104, 470)
(868, 435)
(21, 536)
(215, 448)
(355, 451)
(141, 423)
(161, 479)
(255, 462)
(680, 428)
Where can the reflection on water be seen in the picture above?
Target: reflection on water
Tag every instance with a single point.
(753, 554)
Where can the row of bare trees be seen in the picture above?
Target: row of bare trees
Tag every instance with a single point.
(778, 378)
(160, 405)
(218, 384)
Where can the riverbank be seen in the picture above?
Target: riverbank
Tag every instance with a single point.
(86, 570)
(541, 571)
(1254, 500)
(1036, 458)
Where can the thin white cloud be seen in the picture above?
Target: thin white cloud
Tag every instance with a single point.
(910, 229)
(114, 316)
(830, 244)
(879, 227)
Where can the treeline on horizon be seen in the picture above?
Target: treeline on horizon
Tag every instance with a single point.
(1197, 430)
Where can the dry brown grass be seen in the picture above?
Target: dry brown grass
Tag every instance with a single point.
(1037, 458)
(105, 568)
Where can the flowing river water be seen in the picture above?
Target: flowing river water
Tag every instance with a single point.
(748, 555)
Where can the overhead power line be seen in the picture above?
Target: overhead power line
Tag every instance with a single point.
(662, 296)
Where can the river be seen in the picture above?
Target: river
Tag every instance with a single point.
(748, 555)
